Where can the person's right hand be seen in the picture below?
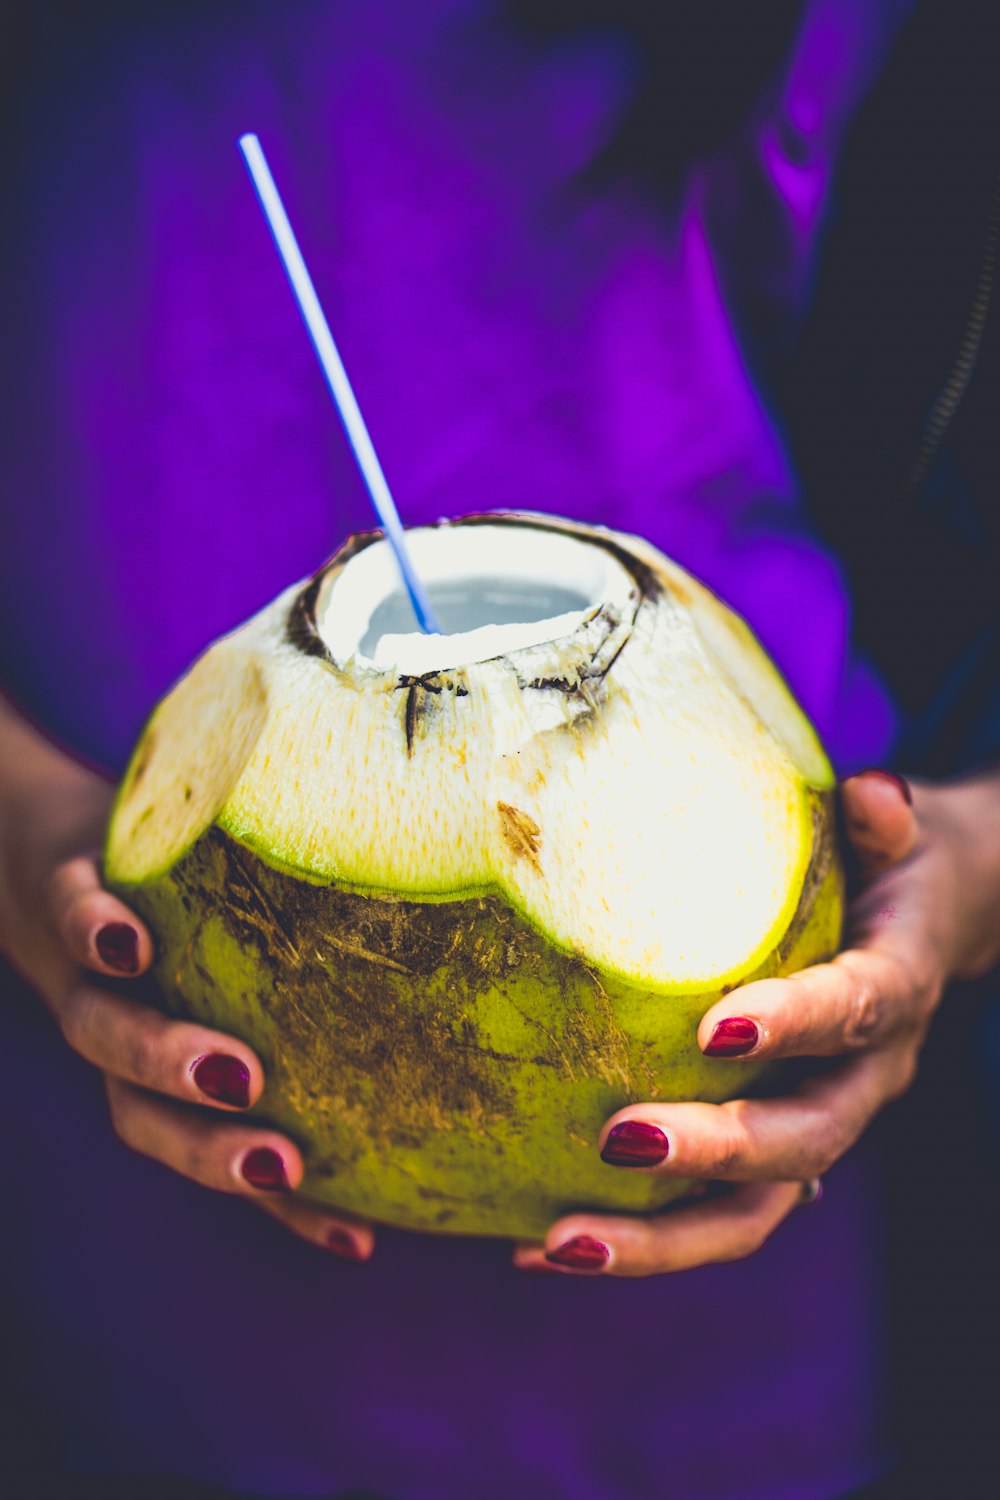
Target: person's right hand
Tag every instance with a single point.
(177, 1091)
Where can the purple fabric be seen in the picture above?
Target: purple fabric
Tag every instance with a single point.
(174, 462)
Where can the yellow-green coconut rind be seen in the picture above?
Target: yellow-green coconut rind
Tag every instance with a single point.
(463, 916)
(442, 1065)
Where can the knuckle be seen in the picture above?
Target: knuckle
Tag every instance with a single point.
(863, 1018)
(142, 1055)
(729, 1145)
(720, 1162)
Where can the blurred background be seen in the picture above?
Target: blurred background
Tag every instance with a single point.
(887, 394)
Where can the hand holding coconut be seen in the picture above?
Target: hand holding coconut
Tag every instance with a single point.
(469, 896)
(927, 913)
(65, 932)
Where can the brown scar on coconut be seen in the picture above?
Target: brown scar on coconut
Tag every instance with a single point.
(521, 833)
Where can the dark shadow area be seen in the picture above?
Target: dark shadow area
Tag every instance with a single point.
(904, 261)
(938, 1147)
(42, 1486)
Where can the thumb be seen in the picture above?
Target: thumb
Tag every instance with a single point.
(879, 819)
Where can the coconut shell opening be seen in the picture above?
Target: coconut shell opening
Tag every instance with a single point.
(493, 595)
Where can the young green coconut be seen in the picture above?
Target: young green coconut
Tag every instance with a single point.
(467, 894)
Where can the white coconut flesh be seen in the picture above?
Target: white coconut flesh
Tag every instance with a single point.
(616, 756)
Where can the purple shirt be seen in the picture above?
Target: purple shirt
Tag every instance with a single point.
(173, 462)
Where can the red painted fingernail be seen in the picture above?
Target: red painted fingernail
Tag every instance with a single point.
(899, 782)
(223, 1078)
(339, 1242)
(118, 946)
(733, 1037)
(633, 1143)
(581, 1254)
(265, 1170)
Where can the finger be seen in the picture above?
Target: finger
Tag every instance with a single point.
(724, 1228)
(860, 999)
(751, 1140)
(229, 1157)
(98, 930)
(139, 1045)
(879, 818)
(345, 1238)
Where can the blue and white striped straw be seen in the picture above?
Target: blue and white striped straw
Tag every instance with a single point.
(336, 375)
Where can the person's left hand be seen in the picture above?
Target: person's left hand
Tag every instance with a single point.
(928, 912)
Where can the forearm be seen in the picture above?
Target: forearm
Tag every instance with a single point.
(966, 814)
(50, 807)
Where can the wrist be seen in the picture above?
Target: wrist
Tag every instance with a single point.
(50, 807)
(970, 810)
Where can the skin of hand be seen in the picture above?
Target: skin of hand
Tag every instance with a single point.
(927, 912)
(176, 1091)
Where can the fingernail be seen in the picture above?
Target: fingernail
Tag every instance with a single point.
(265, 1170)
(118, 946)
(811, 1194)
(899, 782)
(581, 1254)
(339, 1242)
(633, 1143)
(223, 1078)
(733, 1037)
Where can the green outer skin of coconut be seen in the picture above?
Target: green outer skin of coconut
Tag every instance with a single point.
(442, 1065)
